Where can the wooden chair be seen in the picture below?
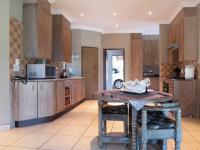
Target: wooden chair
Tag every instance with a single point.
(153, 124)
(110, 112)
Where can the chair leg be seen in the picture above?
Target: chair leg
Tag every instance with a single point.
(164, 145)
(177, 145)
(104, 127)
(126, 127)
(144, 145)
(138, 143)
(100, 127)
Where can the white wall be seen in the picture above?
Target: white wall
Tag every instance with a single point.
(116, 41)
(5, 103)
(89, 39)
(16, 7)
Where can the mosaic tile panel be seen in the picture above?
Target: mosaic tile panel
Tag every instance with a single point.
(166, 70)
(16, 48)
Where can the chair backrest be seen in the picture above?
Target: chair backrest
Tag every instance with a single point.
(172, 106)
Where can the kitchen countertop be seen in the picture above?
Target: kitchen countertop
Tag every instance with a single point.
(151, 76)
(56, 79)
(178, 79)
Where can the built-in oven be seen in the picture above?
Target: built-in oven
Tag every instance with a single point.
(165, 87)
(41, 71)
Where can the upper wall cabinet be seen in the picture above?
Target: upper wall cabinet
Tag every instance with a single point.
(151, 50)
(61, 39)
(183, 31)
(37, 22)
(136, 56)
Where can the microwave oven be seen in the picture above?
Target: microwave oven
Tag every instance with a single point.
(41, 71)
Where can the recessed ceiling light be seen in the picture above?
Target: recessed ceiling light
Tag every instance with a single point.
(114, 13)
(116, 26)
(82, 14)
(150, 12)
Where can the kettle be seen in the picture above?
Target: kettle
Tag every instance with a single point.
(189, 71)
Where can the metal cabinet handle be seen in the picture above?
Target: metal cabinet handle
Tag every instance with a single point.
(33, 87)
(41, 86)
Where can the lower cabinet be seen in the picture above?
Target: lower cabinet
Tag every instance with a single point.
(154, 83)
(46, 99)
(27, 101)
(78, 90)
(186, 92)
(60, 96)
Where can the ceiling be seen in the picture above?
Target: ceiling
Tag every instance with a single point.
(131, 15)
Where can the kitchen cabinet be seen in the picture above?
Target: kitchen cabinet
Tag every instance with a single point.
(183, 31)
(151, 50)
(154, 83)
(60, 96)
(61, 39)
(25, 101)
(37, 33)
(136, 56)
(42, 100)
(186, 92)
(163, 42)
(77, 89)
(46, 99)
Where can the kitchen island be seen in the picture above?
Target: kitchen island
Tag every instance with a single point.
(43, 100)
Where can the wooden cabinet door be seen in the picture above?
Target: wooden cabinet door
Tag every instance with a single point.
(190, 38)
(154, 83)
(181, 41)
(44, 33)
(83, 88)
(147, 52)
(186, 92)
(66, 40)
(136, 59)
(60, 96)
(46, 99)
(27, 101)
(154, 53)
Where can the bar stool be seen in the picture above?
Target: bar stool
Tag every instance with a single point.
(113, 112)
(153, 124)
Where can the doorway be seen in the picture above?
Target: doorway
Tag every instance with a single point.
(113, 68)
(89, 65)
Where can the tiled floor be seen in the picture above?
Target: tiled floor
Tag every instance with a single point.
(77, 130)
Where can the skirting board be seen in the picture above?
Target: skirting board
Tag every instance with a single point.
(4, 127)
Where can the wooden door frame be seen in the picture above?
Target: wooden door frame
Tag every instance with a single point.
(104, 63)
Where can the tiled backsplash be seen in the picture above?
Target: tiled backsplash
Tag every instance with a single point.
(16, 48)
(166, 70)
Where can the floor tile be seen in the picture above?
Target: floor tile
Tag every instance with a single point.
(87, 143)
(78, 130)
(72, 131)
(186, 145)
(47, 129)
(32, 140)
(9, 137)
(117, 146)
(196, 135)
(60, 143)
(15, 148)
(91, 131)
